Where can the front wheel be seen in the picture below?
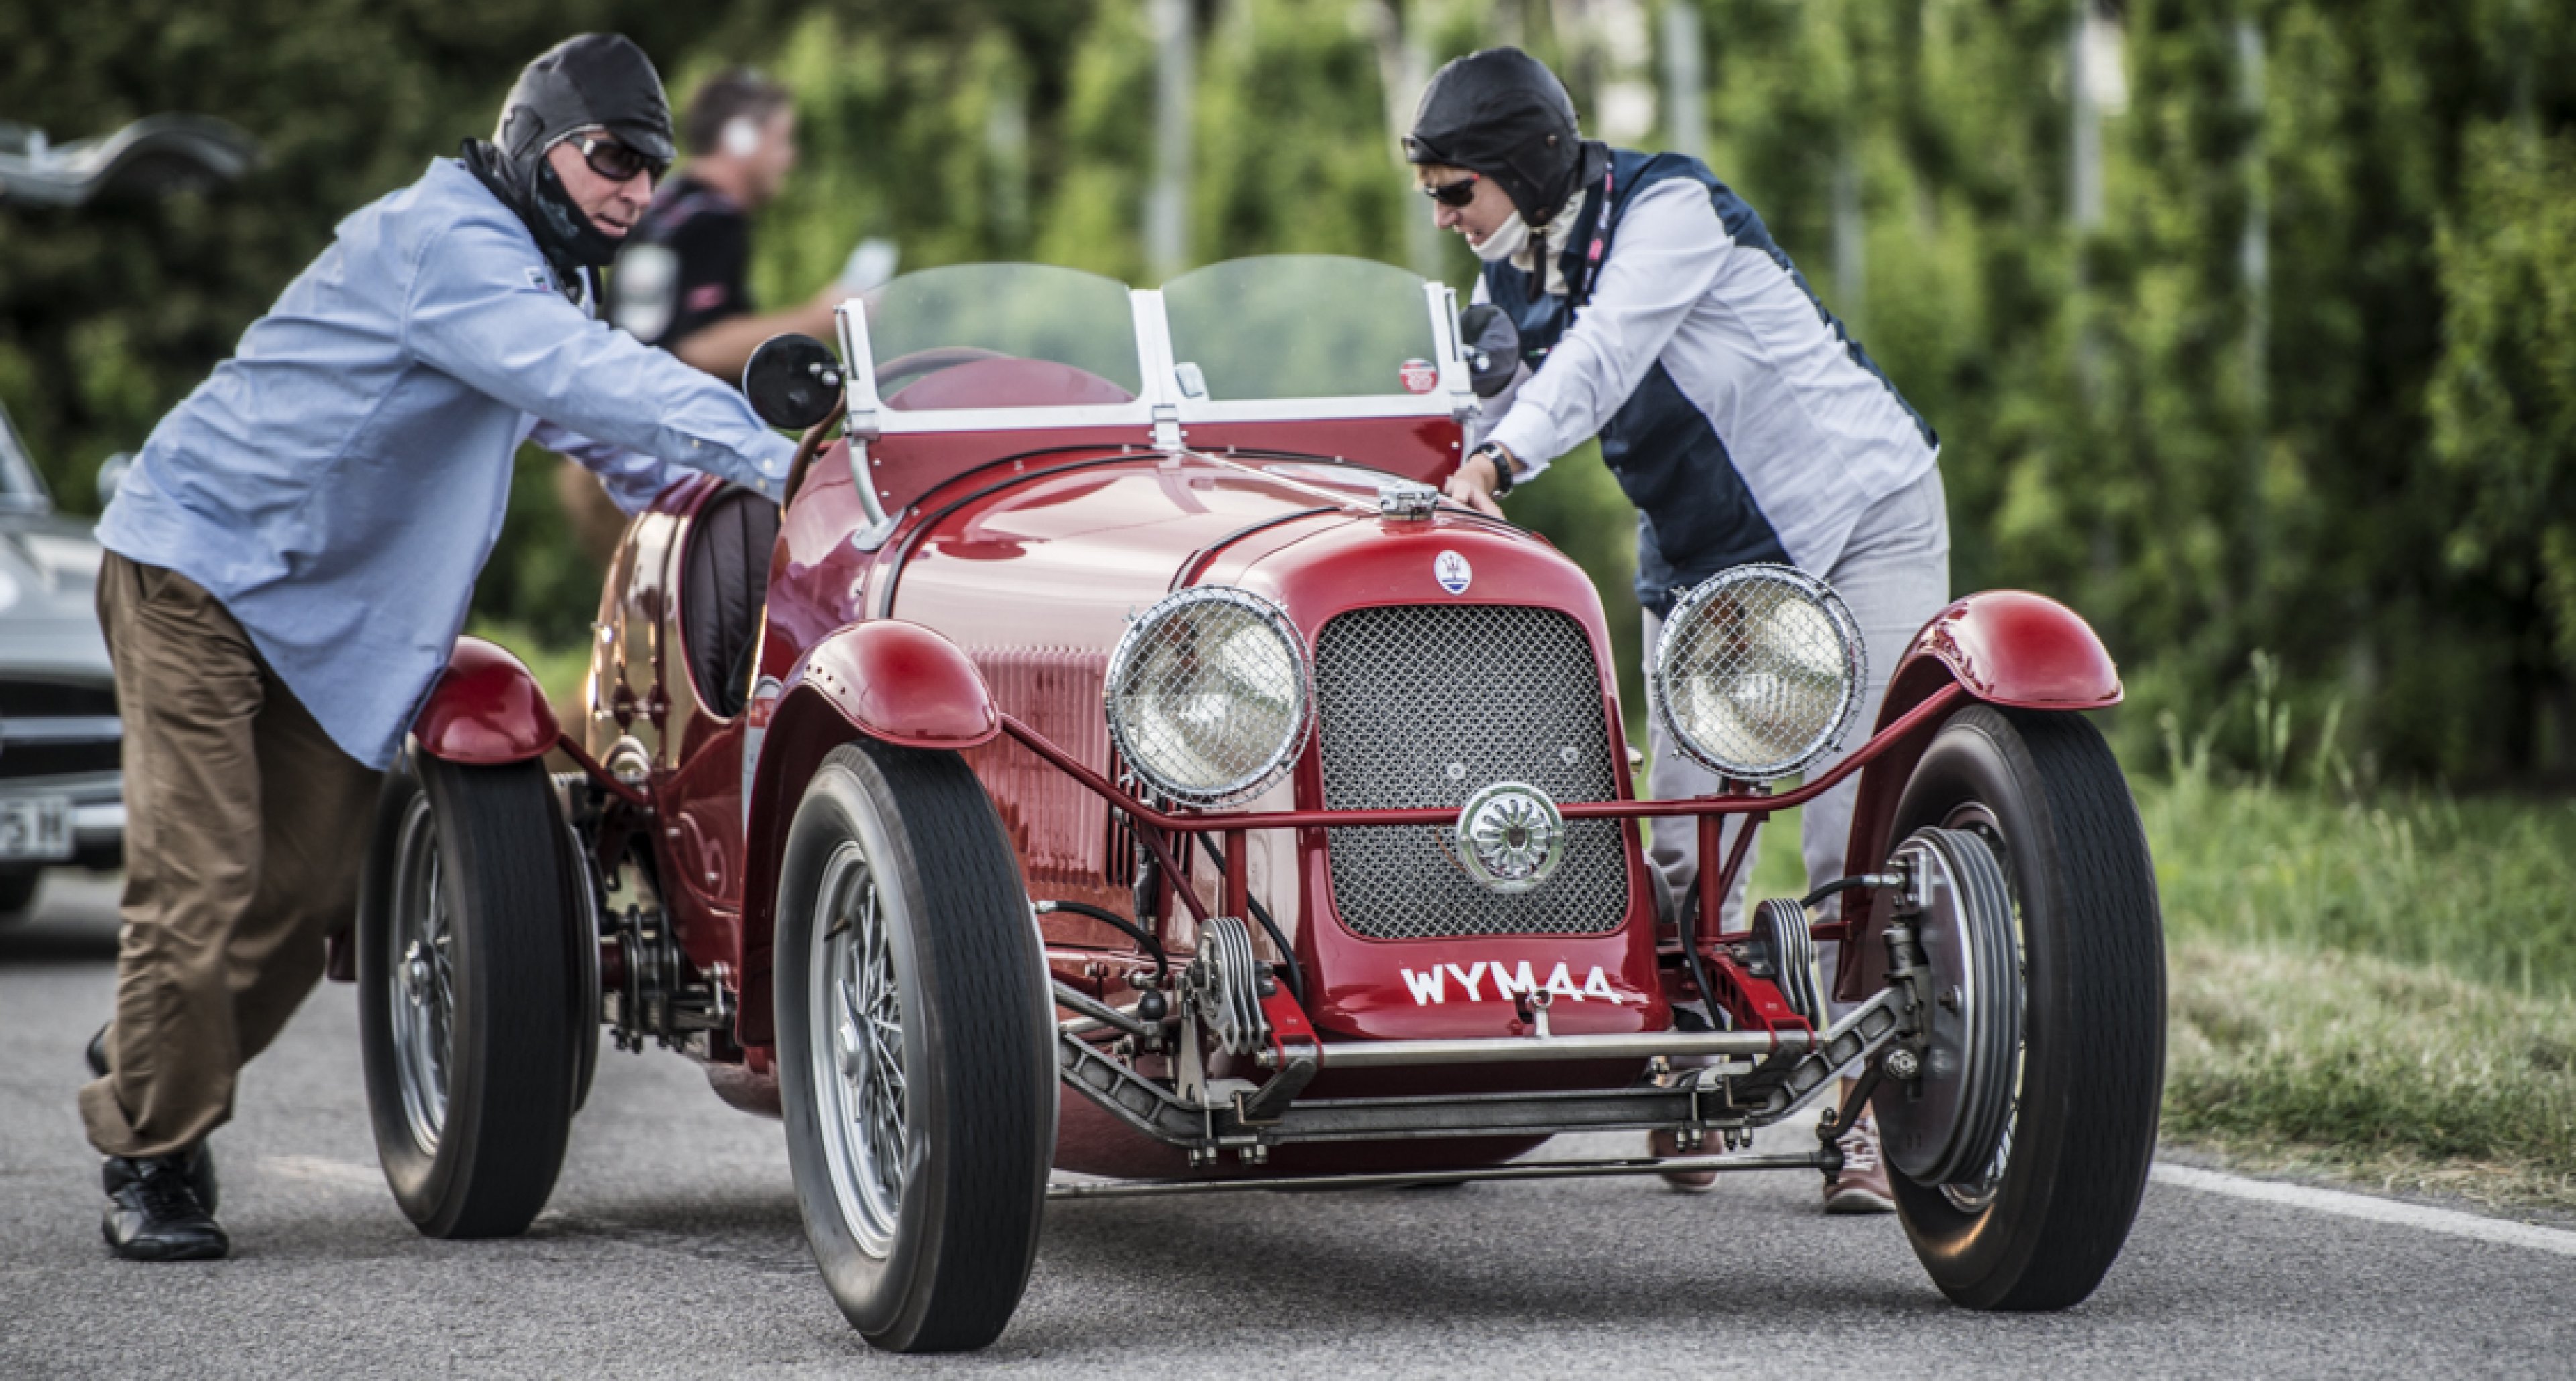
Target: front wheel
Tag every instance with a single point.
(467, 1011)
(2035, 1223)
(915, 1048)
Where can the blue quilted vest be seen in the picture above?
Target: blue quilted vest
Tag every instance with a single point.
(1695, 514)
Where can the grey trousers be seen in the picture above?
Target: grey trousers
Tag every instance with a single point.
(1895, 575)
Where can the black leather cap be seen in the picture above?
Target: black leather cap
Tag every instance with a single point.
(1501, 113)
(589, 81)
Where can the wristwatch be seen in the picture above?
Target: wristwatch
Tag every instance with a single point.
(1502, 463)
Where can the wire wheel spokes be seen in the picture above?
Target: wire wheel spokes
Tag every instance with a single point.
(861, 1078)
(1975, 1195)
(422, 976)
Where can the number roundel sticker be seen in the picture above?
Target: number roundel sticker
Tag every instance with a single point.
(1452, 571)
(1419, 376)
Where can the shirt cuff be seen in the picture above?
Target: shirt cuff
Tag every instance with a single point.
(1525, 432)
(760, 465)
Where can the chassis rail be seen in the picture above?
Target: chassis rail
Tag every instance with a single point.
(1731, 1095)
(1527, 1170)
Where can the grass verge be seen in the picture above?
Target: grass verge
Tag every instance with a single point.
(2394, 1074)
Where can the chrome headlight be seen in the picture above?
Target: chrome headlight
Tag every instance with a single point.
(1759, 672)
(1209, 695)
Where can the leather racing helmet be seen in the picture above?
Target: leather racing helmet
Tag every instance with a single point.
(1502, 114)
(591, 81)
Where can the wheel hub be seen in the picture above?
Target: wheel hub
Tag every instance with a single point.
(1948, 1122)
(415, 973)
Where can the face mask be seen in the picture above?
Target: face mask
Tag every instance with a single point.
(1506, 241)
(563, 227)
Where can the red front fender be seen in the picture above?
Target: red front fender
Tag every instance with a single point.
(2007, 647)
(486, 709)
(899, 683)
(2004, 647)
(895, 682)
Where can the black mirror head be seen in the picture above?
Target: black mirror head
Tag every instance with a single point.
(1492, 345)
(792, 381)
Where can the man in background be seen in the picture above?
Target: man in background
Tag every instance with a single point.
(681, 282)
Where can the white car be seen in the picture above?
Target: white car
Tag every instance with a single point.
(62, 795)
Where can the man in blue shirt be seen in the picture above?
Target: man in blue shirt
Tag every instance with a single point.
(1655, 312)
(290, 560)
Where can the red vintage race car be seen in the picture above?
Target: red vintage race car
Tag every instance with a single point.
(1114, 771)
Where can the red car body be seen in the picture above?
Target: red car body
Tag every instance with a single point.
(934, 637)
(943, 624)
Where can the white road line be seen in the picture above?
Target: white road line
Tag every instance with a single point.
(323, 1171)
(2369, 1209)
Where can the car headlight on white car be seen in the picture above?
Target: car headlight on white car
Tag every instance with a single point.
(1759, 672)
(1209, 695)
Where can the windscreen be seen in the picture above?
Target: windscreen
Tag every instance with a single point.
(1003, 336)
(1300, 326)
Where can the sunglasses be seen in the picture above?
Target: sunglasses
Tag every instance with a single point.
(613, 160)
(1454, 195)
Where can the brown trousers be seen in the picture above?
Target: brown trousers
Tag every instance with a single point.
(245, 834)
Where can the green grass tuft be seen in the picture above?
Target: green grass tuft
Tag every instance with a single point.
(2380, 989)
(2370, 1068)
(2483, 889)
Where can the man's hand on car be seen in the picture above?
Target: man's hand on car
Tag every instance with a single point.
(1478, 478)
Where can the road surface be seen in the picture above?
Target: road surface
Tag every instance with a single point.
(672, 1248)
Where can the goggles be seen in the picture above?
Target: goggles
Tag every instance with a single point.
(613, 160)
(1454, 195)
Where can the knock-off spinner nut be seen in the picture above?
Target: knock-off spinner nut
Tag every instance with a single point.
(1510, 837)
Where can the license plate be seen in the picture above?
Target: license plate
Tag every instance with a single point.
(35, 827)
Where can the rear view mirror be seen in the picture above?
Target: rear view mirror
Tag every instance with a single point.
(792, 381)
(1492, 346)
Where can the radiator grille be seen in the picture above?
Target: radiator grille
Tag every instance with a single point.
(1422, 705)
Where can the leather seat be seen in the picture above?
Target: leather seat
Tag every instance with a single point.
(723, 590)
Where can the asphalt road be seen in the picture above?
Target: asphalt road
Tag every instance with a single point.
(672, 1249)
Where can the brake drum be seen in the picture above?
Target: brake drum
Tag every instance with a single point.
(1947, 1124)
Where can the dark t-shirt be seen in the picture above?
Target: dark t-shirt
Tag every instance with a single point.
(682, 267)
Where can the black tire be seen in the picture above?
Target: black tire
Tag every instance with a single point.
(483, 1163)
(18, 892)
(938, 1262)
(585, 918)
(2044, 790)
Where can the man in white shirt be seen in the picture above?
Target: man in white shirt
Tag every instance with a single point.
(1656, 314)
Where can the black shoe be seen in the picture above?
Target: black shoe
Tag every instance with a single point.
(154, 1215)
(200, 1157)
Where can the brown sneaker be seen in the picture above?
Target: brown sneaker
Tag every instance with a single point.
(1862, 1185)
(1663, 1144)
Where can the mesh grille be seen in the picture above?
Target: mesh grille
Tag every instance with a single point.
(1422, 705)
(1758, 671)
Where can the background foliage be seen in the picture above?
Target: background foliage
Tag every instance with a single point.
(2367, 471)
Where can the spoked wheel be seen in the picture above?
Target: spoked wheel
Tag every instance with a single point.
(2022, 1151)
(915, 1048)
(467, 1011)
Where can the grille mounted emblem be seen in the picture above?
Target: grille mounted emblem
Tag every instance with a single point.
(1510, 837)
(1453, 572)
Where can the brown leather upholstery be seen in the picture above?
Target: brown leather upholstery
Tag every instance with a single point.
(722, 592)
